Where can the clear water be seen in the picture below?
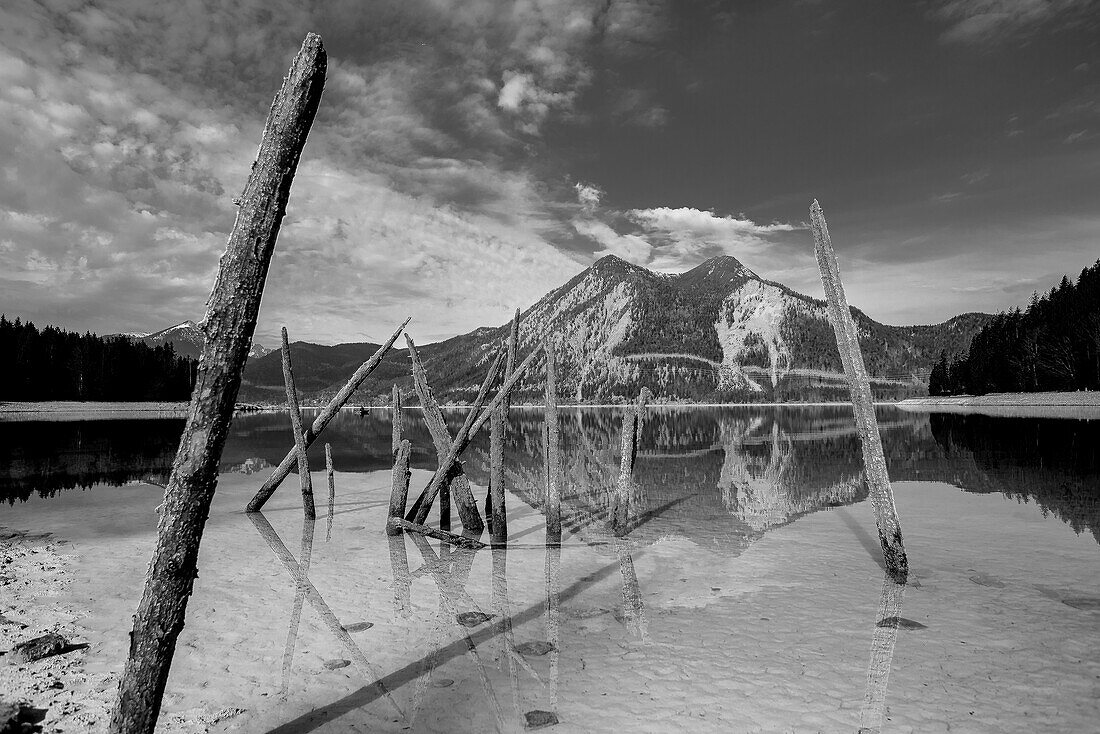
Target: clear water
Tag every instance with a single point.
(747, 595)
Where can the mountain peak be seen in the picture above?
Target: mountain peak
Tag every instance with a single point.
(722, 266)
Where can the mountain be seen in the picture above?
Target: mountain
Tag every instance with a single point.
(718, 332)
(186, 339)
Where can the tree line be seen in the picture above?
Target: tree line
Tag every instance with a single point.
(1052, 345)
(54, 364)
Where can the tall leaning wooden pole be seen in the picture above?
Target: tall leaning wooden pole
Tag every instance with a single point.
(230, 320)
(847, 341)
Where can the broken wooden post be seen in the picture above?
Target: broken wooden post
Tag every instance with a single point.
(497, 511)
(847, 340)
(469, 428)
(327, 414)
(553, 449)
(459, 541)
(625, 486)
(399, 487)
(398, 421)
(227, 327)
(441, 437)
(299, 435)
(331, 489)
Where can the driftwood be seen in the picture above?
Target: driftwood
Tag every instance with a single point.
(399, 488)
(326, 415)
(847, 340)
(228, 326)
(553, 449)
(299, 435)
(398, 421)
(331, 490)
(462, 440)
(460, 541)
(459, 485)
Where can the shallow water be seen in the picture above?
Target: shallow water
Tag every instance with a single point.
(747, 595)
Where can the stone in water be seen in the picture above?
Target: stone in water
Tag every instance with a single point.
(902, 623)
(337, 664)
(539, 719)
(473, 619)
(534, 648)
(358, 626)
(38, 648)
(1088, 603)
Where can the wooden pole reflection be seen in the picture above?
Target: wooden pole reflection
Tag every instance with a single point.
(302, 578)
(873, 714)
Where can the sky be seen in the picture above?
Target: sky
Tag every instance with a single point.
(470, 156)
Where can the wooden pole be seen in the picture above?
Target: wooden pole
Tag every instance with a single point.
(847, 340)
(497, 511)
(331, 489)
(299, 435)
(398, 420)
(326, 415)
(441, 437)
(399, 488)
(462, 440)
(553, 449)
(228, 326)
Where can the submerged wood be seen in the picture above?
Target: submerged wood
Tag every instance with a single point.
(398, 421)
(553, 449)
(399, 488)
(402, 580)
(459, 485)
(469, 428)
(228, 326)
(299, 435)
(331, 490)
(460, 541)
(322, 420)
(847, 339)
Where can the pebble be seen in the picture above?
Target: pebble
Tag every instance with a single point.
(902, 623)
(337, 664)
(985, 580)
(38, 648)
(1088, 603)
(442, 682)
(358, 626)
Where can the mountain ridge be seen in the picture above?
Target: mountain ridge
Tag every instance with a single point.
(718, 332)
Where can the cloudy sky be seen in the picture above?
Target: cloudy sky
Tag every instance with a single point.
(469, 156)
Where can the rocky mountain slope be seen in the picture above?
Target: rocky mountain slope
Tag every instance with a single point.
(718, 332)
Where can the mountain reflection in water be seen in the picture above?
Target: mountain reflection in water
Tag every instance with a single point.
(728, 473)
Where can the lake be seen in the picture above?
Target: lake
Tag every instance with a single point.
(745, 592)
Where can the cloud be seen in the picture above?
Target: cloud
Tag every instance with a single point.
(589, 195)
(983, 21)
(627, 246)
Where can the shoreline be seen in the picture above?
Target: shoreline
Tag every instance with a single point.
(1081, 398)
(74, 410)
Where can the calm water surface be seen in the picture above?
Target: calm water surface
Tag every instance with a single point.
(743, 596)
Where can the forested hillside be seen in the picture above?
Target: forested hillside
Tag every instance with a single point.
(53, 364)
(1052, 345)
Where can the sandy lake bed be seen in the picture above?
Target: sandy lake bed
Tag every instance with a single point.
(766, 632)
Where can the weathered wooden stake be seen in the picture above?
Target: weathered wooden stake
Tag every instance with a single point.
(327, 414)
(462, 440)
(398, 420)
(228, 326)
(497, 511)
(399, 488)
(331, 489)
(460, 541)
(299, 435)
(441, 437)
(847, 340)
(553, 449)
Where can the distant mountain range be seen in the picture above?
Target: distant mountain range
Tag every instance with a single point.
(186, 339)
(718, 333)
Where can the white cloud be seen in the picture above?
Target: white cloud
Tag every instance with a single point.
(627, 246)
(589, 195)
(991, 20)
